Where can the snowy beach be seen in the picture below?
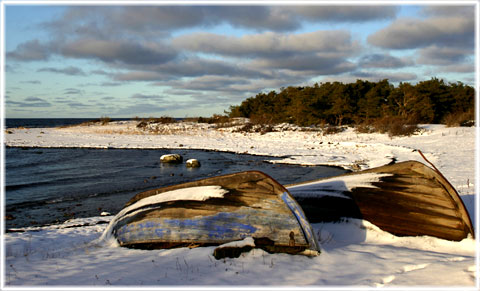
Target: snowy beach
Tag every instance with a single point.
(354, 252)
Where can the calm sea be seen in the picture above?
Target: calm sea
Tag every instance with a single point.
(47, 122)
(45, 186)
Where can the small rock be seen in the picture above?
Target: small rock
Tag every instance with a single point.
(356, 167)
(105, 213)
(193, 163)
(172, 158)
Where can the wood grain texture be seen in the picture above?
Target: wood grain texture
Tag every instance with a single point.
(255, 206)
(413, 200)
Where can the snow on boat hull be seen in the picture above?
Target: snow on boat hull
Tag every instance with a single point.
(246, 204)
(405, 199)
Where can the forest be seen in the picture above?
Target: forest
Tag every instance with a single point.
(363, 103)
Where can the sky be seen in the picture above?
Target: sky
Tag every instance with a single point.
(77, 61)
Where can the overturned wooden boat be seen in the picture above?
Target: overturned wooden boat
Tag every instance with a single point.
(405, 199)
(216, 211)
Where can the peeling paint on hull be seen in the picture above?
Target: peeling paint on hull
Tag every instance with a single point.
(254, 206)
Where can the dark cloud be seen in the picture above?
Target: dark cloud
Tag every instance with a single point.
(148, 97)
(161, 20)
(33, 82)
(138, 76)
(111, 84)
(344, 13)
(78, 105)
(408, 33)
(384, 61)
(449, 10)
(187, 67)
(316, 65)
(195, 66)
(73, 91)
(442, 56)
(70, 71)
(126, 52)
(30, 51)
(29, 102)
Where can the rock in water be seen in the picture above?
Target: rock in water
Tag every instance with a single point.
(171, 158)
(193, 163)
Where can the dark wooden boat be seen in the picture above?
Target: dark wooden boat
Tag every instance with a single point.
(405, 199)
(216, 211)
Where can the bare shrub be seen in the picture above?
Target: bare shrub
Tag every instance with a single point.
(162, 120)
(364, 128)
(393, 125)
(460, 119)
(330, 129)
(144, 122)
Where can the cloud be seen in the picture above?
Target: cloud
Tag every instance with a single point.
(441, 56)
(113, 51)
(73, 91)
(187, 67)
(162, 20)
(196, 66)
(316, 65)
(111, 84)
(449, 10)
(70, 71)
(31, 50)
(384, 61)
(138, 76)
(269, 44)
(210, 83)
(344, 13)
(78, 105)
(376, 76)
(459, 68)
(410, 33)
(29, 102)
(33, 82)
(148, 97)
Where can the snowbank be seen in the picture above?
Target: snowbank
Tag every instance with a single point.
(354, 252)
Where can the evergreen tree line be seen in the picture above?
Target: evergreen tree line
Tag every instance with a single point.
(362, 102)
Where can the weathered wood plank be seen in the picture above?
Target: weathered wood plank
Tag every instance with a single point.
(412, 200)
(255, 206)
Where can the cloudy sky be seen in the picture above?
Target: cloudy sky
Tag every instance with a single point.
(185, 61)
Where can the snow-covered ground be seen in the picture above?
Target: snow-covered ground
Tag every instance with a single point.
(354, 252)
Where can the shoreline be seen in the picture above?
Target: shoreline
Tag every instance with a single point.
(451, 149)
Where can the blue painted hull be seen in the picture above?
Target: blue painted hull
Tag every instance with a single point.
(255, 206)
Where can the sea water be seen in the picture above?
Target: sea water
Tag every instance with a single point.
(51, 185)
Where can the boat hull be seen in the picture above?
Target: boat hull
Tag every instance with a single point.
(405, 199)
(252, 204)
